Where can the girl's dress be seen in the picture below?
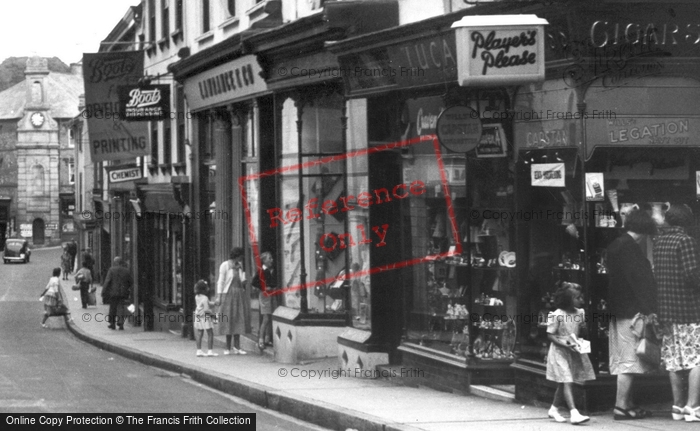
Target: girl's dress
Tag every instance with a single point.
(52, 294)
(564, 365)
(232, 311)
(202, 314)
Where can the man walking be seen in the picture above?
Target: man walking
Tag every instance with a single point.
(117, 288)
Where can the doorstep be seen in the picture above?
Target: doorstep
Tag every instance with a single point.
(505, 393)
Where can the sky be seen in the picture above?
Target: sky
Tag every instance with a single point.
(57, 28)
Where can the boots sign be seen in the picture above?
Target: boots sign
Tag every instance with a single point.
(144, 102)
(500, 49)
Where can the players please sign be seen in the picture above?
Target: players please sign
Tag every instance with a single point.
(500, 49)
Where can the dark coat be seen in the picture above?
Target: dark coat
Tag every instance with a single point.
(270, 279)
(631, 288)
(118, 283)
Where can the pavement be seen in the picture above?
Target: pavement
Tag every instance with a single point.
(315, 393)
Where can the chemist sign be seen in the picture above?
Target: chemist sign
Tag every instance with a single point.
(125, 173)
(500, 49)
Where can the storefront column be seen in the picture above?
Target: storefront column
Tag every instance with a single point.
(299, 103)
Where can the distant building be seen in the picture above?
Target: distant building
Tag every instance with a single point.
(37, 168)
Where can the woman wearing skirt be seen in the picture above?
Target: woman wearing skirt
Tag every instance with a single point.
(230, 296)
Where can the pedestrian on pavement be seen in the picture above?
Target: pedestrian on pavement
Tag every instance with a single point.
(90, 262)
(266, 300)
(632, 296)
(203, 318)
(116, 289)
(230, 291)
(83, 278)
(565, 363)
(53, 298)
(66, 263)
(677, 271)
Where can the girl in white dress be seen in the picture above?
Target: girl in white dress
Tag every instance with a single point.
(203, 318)
(565, 363)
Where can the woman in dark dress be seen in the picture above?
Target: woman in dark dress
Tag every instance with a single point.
(631, 291)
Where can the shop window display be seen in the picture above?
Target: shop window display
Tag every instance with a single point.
(323, 245)
(551, 243)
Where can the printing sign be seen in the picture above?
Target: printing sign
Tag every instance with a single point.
(500, 49)
(112, 138)
(547, 175)
(144, 102)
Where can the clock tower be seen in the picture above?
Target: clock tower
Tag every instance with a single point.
(38, 155)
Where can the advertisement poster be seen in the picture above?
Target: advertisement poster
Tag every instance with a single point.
(492, 142)
(594, 187)
(548, 175)
(111, 136)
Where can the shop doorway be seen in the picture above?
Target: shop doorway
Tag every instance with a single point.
(38, 231)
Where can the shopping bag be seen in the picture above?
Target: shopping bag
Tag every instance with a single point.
(75, 287)
(92, 299)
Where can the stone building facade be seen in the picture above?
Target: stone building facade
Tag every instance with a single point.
(37, 197)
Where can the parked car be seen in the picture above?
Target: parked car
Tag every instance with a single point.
(16, 250)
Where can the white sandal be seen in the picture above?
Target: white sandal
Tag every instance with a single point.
(691, 414)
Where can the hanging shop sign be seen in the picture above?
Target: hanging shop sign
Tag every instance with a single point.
(492, 142)
(459, 129)
(547, 175)
(123, 173)
(500, 49)
(144, 102)
(111, 137)
(594, 186)
(228, 82)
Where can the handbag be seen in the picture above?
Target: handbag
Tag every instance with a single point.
(648, 348)
(75, 287)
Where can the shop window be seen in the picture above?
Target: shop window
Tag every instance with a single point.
(552, 246)
(231, 6)
(322, 247)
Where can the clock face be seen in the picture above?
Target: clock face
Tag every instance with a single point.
(37, 119)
